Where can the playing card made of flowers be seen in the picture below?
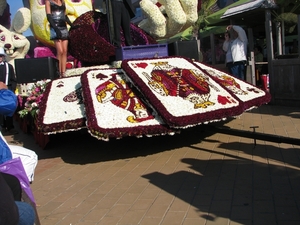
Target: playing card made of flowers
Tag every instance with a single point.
(62, 108)
(250, 95)
(114, 109)
(182, 93)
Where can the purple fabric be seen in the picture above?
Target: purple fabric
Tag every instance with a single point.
(15, 168)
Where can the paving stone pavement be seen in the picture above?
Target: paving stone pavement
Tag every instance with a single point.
(197, 177)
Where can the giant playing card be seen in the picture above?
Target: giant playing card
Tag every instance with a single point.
(250, 95)
(62, 108)
(182, 93)
(114, 110)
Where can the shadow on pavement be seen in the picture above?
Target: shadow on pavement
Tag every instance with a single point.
(236, 188)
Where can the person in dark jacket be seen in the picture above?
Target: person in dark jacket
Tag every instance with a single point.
(123, 12)
(7, 76)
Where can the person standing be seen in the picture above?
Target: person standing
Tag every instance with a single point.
(58, 20)
(227, 50)
(123, 12)
(238, 48)
(7, 76)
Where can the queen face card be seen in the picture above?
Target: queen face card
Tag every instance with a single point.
(114, 110)
(62, 108)
(250, 95)
(182, 93)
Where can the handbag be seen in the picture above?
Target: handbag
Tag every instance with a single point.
(8, 102)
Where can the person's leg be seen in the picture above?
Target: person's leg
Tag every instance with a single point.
(238, 70)
(59, 52)
(64, 46)
(26, 213)
(117, 10)
(28, 157)
(14, 184)
(234, 70)
(9, 124)
(229, 66)
(241, 71)
(2, 122)
(125, 22)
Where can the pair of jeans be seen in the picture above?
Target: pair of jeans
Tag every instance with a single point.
(26, 213)
(238, 69)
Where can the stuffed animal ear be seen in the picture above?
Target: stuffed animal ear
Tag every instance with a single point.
(22, 20)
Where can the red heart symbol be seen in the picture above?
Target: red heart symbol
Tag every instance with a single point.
(142, 65)
(223, 100)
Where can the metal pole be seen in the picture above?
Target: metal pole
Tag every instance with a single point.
(298, 36)
(254, 135)
(213, 49)
(283, 34)
(269, 39)
(278, 36)
(251, 62)
(270, 50)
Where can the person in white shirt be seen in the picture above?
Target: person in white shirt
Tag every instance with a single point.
(238, 48)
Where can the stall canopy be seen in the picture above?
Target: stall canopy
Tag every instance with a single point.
(221, 17)
(215, 18)
(248, 6)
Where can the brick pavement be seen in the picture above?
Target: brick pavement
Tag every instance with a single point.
(196, 177)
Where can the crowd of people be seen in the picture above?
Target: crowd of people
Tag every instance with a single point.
(13, 210)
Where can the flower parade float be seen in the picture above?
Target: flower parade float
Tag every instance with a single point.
(141, 97)
(144, 98)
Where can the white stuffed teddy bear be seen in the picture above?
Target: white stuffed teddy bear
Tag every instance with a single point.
(181, 14)
(15, 44)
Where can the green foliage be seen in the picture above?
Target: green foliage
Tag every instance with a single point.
(287, 13)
